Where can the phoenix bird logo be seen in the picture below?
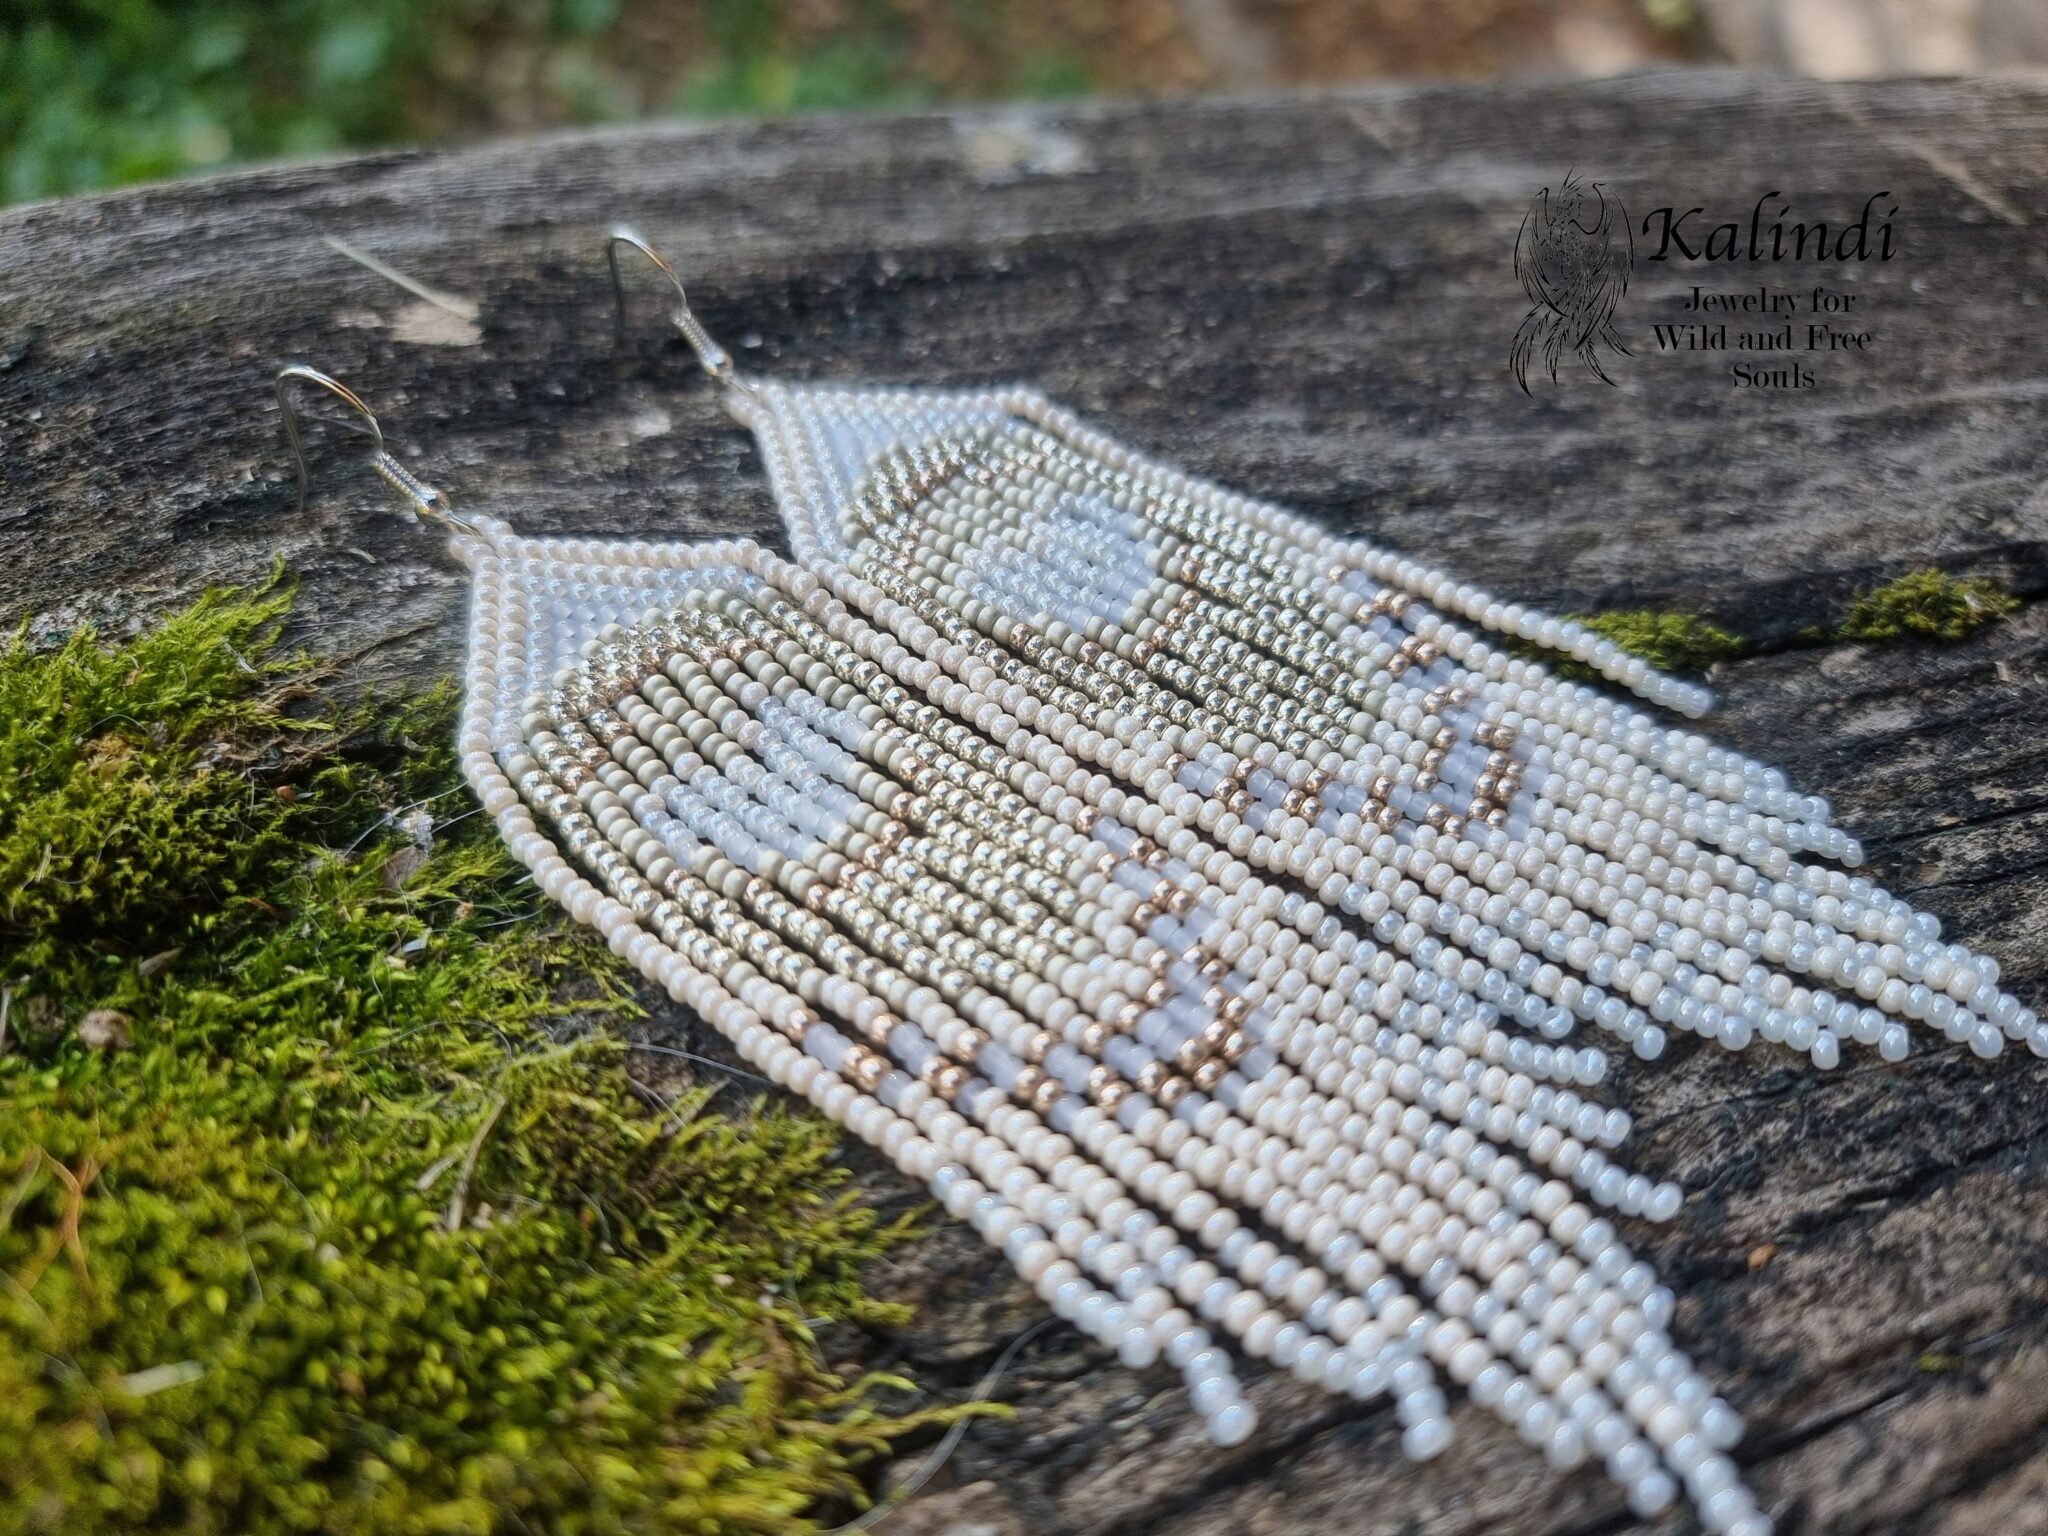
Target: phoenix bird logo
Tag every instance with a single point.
(1574, 254)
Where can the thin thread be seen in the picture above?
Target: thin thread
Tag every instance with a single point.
(702, 1061)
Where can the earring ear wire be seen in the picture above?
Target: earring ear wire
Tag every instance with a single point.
(425, 501)
(716, 360)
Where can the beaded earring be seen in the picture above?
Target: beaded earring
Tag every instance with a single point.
(1201, 906)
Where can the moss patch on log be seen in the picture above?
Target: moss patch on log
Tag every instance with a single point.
(1670, 642)
(327, 1200)
(1927, 605)
(1920, 605)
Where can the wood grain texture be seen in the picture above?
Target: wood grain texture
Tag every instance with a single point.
(1312, 298)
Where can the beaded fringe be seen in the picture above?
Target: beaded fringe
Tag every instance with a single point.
(1205, 908)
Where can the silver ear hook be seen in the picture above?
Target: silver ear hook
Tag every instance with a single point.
(716, 360)
(424, 500)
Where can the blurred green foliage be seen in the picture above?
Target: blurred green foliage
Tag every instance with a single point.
(100, 93)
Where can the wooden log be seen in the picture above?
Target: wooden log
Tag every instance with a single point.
(1312, 298)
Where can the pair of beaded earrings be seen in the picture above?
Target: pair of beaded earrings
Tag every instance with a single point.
(1205, 908)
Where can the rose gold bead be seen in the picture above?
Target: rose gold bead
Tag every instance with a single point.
(1210, 1073)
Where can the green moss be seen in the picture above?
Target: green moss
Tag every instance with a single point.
(1670, 642)
(367, 1228)
(1927, 605)
(125, 806)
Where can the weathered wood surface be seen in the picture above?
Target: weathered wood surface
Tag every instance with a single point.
(1311, 298)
